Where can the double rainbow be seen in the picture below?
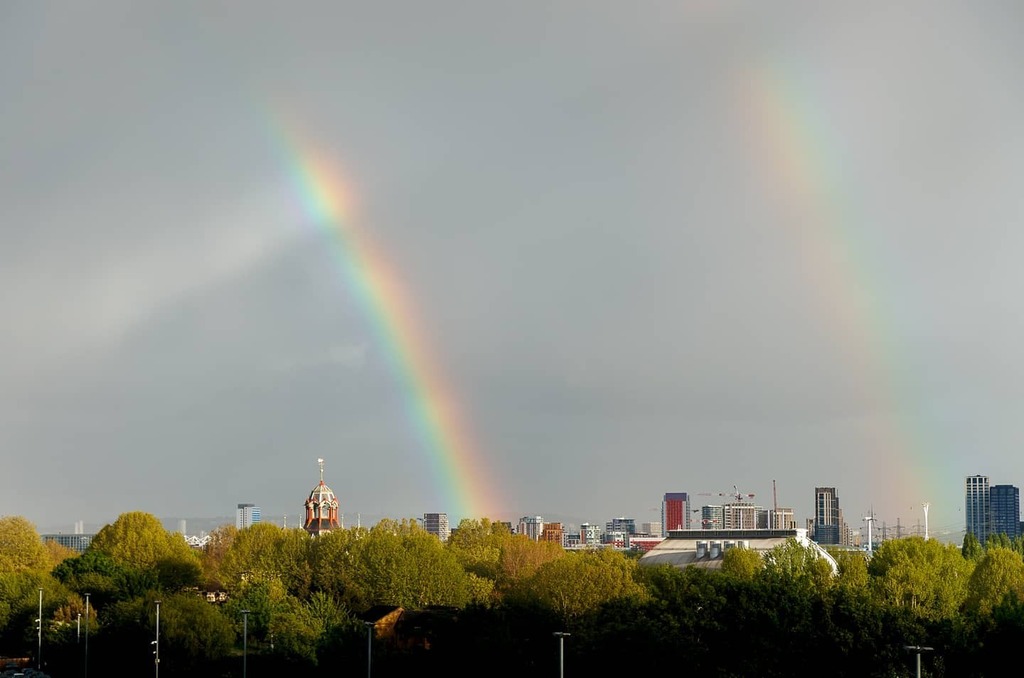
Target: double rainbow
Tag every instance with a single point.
(459, 470)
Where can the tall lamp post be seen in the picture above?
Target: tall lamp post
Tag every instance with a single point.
(156, 643)
(245, 641)
(85, 665)
(39, 630)
(918, 649)
(561, 635)
(369, 645)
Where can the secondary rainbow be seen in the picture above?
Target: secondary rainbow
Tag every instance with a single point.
(799, 157)
(459, 471)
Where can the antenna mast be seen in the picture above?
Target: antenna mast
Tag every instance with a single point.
(775, 507)
(870, 518)
(925, 506)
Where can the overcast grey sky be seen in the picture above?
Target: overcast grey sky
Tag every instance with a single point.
(655, 247)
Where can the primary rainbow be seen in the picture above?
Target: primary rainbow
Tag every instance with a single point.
(799, 156)
(459, 471)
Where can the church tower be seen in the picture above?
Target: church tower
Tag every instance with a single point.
(321, 508)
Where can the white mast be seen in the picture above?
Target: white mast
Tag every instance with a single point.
(925, 506)
(870, 518)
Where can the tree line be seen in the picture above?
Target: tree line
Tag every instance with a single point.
(489, 602)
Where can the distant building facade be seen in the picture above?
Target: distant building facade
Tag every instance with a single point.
(531, 526)
(246, 515)
(712, 517)
(739, 516)
(1004, 501)
(675, 511)
(76, 542)
(553, 532)
(827, 521)
(590, 535)
(437, 525)
(977, 507)
(652, 529)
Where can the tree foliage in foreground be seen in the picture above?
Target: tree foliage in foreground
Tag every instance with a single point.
(489, 594)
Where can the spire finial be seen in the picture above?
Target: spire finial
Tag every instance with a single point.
(321, 462)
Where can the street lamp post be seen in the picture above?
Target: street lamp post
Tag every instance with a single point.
(369, 646)
(561, 635)
(245, 641)
(918, 649)
(156, 643)
(39, 630)
(85, 665)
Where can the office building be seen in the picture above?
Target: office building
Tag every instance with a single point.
(531, 526)
(590, 535)
(1004, 503)
(437, 525)
(75, 542)
(977, 508)
(553, 532)
(828, 527)
(675, 511)
(652, 529)
(246, 515)
(625, 525)
(712, 517)
(739, 516)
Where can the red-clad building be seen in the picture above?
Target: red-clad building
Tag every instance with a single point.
(675, 512)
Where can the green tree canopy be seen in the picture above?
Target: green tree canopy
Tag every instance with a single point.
(795, 563)
(926, 577)
(477, 546)
(998, 573)
(742, 563)
(582, 581)
(402, 564)
(138, 539)
(20, 546)
(267, 552)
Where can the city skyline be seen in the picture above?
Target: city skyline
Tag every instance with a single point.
(552, 258)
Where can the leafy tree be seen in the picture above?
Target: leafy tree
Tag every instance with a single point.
(139, 540)
(266, 552)
(971, 549)
(998, 540)
(925, 576)
(477, 546)
(20, 546)
(193, 632)
(265, 600)
(853, 568)
(331, 560)
(998, 573)
(402, 564)
(58, 553)
(212, 555)
(520, 557)
(793, 563)
(742, 563)
(581, 581)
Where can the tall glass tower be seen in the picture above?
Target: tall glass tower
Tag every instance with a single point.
(1004, 501)
(977, 507)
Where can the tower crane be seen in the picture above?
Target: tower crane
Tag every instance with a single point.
(735, 494)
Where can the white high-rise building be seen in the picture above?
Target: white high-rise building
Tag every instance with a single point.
(531, 526)
(977, 506)
(437, 525)
(247, 515)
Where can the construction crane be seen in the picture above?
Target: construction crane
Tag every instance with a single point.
(735, 494)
